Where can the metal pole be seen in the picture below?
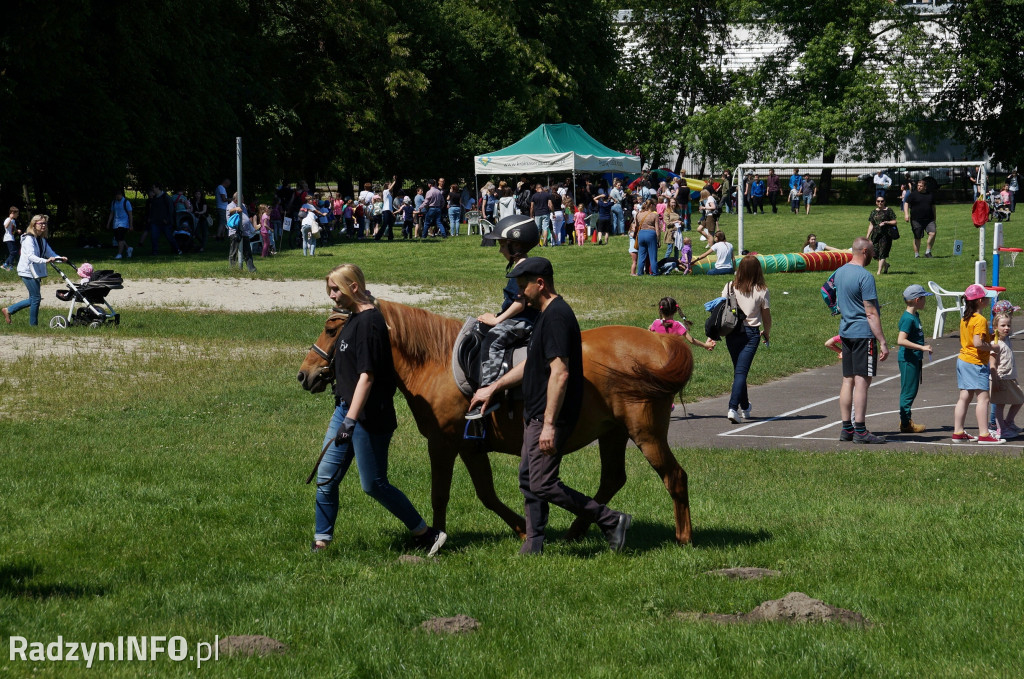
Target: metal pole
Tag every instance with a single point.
(739, 210)
(238, 170)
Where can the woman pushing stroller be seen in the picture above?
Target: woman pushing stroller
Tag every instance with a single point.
(36, 254)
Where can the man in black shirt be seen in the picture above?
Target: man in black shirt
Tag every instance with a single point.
(552, 378)
(919, 210)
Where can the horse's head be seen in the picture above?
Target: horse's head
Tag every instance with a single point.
(317, 369)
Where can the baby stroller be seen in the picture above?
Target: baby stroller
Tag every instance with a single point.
(90, 298)
(184, 231)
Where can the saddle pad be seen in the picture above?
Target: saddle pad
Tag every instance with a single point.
(459, 371)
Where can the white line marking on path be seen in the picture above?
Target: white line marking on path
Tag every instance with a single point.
(734, 432)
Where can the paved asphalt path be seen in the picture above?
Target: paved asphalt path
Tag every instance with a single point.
(801, 412)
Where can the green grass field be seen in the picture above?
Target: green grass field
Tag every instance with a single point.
(158, 491)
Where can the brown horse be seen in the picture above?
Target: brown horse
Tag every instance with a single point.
(631, 376)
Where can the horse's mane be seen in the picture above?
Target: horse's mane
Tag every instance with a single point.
(644, 382)
(421, 336)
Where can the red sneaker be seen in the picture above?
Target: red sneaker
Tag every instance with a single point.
(964, 437)
(990, 440)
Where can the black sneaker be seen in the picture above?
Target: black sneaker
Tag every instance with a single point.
(845, 434)
(617, 536)
(431, 541)
(867, 437)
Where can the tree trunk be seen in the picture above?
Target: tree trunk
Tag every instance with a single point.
(825, 183)
(679, 160)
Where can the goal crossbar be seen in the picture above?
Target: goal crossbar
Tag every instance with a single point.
(915, 164)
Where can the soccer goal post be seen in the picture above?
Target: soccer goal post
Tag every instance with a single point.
(911, 165)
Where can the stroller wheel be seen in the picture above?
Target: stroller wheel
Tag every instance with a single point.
(58, 322)
(95, 324)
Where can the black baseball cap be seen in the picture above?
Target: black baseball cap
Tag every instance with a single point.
(532, 266)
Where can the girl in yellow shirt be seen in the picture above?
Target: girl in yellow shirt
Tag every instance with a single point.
(972, 368)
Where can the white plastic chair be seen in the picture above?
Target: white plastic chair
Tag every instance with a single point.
(942, 309)
(473, 221)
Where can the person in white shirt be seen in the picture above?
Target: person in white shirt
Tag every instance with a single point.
(882, 184)
(723, 256)
(221, 194)
(120, 220)
(812, 244)
(10, 227)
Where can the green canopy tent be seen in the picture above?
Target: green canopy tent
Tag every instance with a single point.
(558, 148)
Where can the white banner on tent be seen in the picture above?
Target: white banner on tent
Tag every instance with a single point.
(554, 162)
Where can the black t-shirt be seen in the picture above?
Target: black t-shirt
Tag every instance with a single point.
(922, 207)
(556, 333)
(540, 203)
(511, 294)
(364, 346)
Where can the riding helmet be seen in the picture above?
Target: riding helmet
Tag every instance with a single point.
(518, 228)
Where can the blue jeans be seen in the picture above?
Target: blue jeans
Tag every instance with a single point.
(308, 241)
(713, 271)
(618, 220)
(432, 218)
(35, 296)
(742, 345)
(12, 253)
(454, 215)
(647, 250)
(371, 454)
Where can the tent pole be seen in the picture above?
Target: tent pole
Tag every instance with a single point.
(574, 188)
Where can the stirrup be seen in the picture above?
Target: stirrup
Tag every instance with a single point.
(476, 430)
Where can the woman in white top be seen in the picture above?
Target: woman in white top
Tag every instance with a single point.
(723, 255)
(506, 204)
(752, 299)
(814, 245)
(10, 226)
(36, 254)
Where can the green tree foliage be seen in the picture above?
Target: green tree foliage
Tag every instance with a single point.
(983, 101)
(675, 78)
(100, 94)
(849, 76)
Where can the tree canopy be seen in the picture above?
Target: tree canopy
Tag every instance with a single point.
(99, 95)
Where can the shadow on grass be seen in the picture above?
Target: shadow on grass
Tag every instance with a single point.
(17, 580)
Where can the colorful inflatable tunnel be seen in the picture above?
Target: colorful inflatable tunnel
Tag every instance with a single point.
(792, 262)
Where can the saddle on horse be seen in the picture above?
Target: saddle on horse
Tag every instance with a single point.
(467, 357)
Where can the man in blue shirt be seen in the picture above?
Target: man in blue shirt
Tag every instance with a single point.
(757, 191)
(795, 180)
(863, 340)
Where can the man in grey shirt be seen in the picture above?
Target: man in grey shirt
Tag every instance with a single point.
(863, 340)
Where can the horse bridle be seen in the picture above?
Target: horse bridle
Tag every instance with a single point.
(329, 355)
(329, 369)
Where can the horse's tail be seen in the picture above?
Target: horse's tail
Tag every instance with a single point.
(644, 381)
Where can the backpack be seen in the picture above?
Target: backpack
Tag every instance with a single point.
(725, 317)
(828, 294)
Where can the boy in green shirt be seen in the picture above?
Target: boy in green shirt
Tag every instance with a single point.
(911, 355)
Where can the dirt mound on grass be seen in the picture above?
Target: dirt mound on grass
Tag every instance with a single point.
(249, 645)
(411, 559)
(795, 607)
(745, 573)
(460, 624)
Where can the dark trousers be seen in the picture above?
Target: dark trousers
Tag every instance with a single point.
(167, 231)
(757, 204)
(387, 222)
(742, 345)
(773, 200)
(910, 380)
(540, 485)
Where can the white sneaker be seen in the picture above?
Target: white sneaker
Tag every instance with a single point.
(703, 238)
(745, 413)
(130, 251)
(117, 256)
(733, 417)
